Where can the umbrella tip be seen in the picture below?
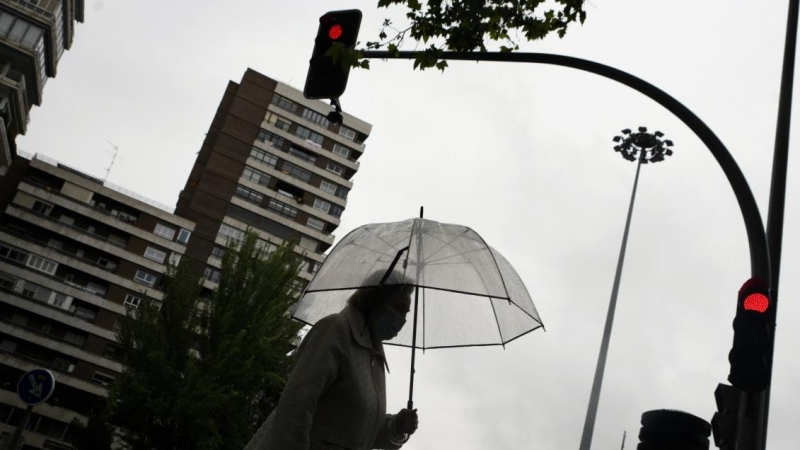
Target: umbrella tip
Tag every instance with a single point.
(421, 208)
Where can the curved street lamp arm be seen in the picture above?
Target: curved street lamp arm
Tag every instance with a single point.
(757, 239)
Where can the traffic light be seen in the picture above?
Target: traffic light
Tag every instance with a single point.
(724, 424)
(751, 333)
(328, 79)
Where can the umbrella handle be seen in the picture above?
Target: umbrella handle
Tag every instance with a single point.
(413, 349)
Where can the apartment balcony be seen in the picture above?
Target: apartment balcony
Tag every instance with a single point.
(58, 314)
(84, 237)
(93, 213)
(24, 334)
(19, 362)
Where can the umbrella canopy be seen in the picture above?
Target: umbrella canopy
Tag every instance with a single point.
(468, 293)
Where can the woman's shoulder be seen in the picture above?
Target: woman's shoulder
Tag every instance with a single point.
(334, 323)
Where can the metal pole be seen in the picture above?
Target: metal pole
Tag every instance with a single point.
(594, 398)
(759, 254)
(416, 314)
(16, 440)
(777, 194)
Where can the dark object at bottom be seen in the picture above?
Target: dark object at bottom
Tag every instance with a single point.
(673, 430)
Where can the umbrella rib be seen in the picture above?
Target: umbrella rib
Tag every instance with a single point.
(414, 285)
(497, 321)
(496, 265)
(446, 243)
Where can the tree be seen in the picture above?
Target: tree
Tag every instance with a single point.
(469, 25)
(204, 374)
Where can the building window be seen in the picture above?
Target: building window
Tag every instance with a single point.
(42, 208)
(131, 301)
(311, 159)
(102, 379)
(322, 205)
(75, 338)
(249, 195)
(313, 116)
(335, 169)
(12, 254)
(284, 103)
(279, 122)
(347, 133)
(157, 304)
(336, 211)
(341, 150)
(174, 259)
(118, 323)
(305, 133)
(218, 252)
(113, 352)
(155, 255)
(229, 232)
(328, 187)
(211, 275)
(59, 300)
(256, 176)
(342, 192)
(42, 265)
(183, 236)
(106, 264)
(282, 209)
(308, 243)
(84, 313)
(316, 223)
(296, 172)
(147, 279)
(164, 231)
(7, 282)
(263, 156)
(270, 138)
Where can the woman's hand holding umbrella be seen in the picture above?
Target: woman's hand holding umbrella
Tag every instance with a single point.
(406, 421)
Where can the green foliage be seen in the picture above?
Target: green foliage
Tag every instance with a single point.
(471, 25)
(204, 375)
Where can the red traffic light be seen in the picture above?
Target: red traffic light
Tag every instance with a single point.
(335, 31)
(756, 302)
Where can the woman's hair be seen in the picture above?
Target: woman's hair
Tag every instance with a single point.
(366, 296)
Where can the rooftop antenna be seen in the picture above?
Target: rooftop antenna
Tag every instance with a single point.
(624, 433)
(113, 160)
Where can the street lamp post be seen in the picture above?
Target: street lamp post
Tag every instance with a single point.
(645, 148)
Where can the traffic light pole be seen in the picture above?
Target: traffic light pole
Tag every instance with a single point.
(777, 194)
(759, 253)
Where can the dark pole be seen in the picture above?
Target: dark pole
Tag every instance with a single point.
(416, 314)
(759, 253)
(650, 148)
(777, 193)
(597, 384)
(16, 439)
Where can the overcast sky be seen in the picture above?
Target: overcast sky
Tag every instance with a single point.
(523, 155)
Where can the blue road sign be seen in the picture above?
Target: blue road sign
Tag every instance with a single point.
(36, 386)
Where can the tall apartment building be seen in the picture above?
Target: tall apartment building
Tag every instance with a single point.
(273, 162)
(33, 36)
(74, 254)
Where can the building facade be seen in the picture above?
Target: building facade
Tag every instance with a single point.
(271, 161)
(75, 254)
(33, 36)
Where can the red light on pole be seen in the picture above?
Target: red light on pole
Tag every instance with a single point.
(335, 32)
(756, 302)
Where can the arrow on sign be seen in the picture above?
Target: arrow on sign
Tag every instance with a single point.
(37, 388)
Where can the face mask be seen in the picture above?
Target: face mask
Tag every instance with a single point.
(386, 323)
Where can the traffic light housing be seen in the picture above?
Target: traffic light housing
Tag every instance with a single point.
(749, 356)
(327, 79)
(724, 424)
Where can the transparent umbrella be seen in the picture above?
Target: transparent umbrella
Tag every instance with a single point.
(467, 294)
